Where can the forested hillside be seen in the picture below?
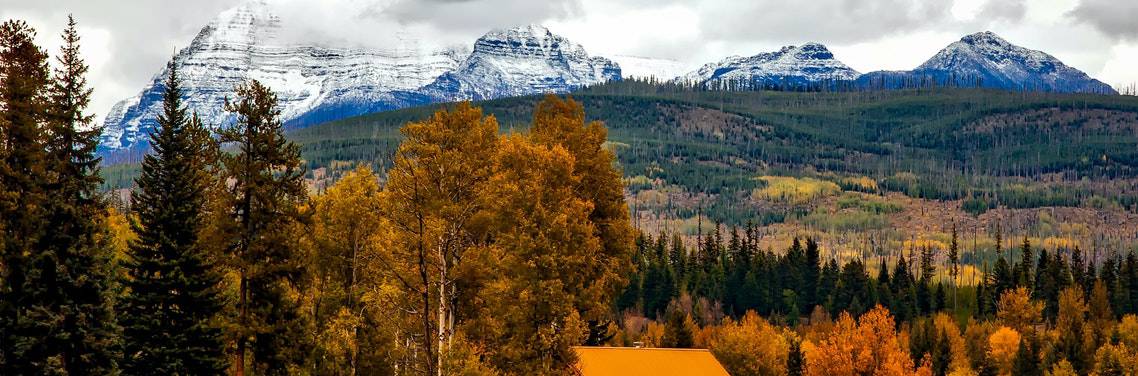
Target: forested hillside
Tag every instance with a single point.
(900, 165)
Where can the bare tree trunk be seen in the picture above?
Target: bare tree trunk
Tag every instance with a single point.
(426, 297)
(442, 303)
(354, 354)
(239, 363)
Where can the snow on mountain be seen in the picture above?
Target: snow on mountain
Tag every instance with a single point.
(312, 83)
(319, 83)
(647, 67)
(316, 83)
(522, 61)
(807, 64)
(987, 60)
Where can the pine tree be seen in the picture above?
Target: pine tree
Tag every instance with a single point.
(23, 178)
(883, 294)
(904, 297)
(795, 359)
(1027, 362)
(1025, 272)
(173, 294)
(264, 190)
(941, 354)
(66, 324)
(811, 271)
(1003, 277)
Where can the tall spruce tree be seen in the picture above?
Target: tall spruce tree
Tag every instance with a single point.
(58, 272)
(73, 295)
(263, 193)
(1025, 271)
(172, 295)
(23, 174)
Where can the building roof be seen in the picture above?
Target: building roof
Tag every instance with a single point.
(630, 361)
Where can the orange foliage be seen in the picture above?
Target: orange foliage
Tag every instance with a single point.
(750, 346)
(868, 347)
(1017, 310)
(1002, 346)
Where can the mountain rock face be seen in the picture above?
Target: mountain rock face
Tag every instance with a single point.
(316, 84)
(804, 65)
(312, 83)
(984, 59)
(522, 61)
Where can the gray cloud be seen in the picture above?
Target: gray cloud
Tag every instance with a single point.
(833, 21)
(143, 34)
(479, 16)
(1007, 10)
(1118, 19)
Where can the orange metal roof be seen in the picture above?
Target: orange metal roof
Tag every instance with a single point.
(630, 361)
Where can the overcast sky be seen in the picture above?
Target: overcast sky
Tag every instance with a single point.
(127, 41)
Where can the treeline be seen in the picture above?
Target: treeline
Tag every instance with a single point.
(1063, 306)
(476, 253)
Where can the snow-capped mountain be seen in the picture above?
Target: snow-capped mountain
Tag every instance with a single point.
(648, 67)
(318, 83)
(808, 64)
(987, 60)
(522, 61)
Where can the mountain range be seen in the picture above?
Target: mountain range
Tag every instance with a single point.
(317, 83)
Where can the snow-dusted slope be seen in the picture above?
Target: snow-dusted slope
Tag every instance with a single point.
(522, 61)
(647, 67)
(311, 82)
(807, 64)
(320, 83)
(985, 59)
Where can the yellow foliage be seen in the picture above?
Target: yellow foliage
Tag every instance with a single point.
(863, 183)
(946, 325)
(1128, 331)
(922, 243)
(871, 346)
(653, 335)
(794, 190)
(1111, 359)
(120, 231)
(750, 346)
(1016, 309)
(1055, 242)
(1062, 368)
(1002, 346)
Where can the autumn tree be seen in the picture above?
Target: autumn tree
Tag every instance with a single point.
(562, 122)
(263, 189)
(345, 221)
(173, 301)
(869, 346)
(750, 346)
(1017, 310)
(1002, 347)
(542, 262)
(1072, 329)
(432, 195)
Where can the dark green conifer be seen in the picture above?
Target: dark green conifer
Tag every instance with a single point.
(57, 314)
(264, 192)
(169, 312)
(23, 178)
